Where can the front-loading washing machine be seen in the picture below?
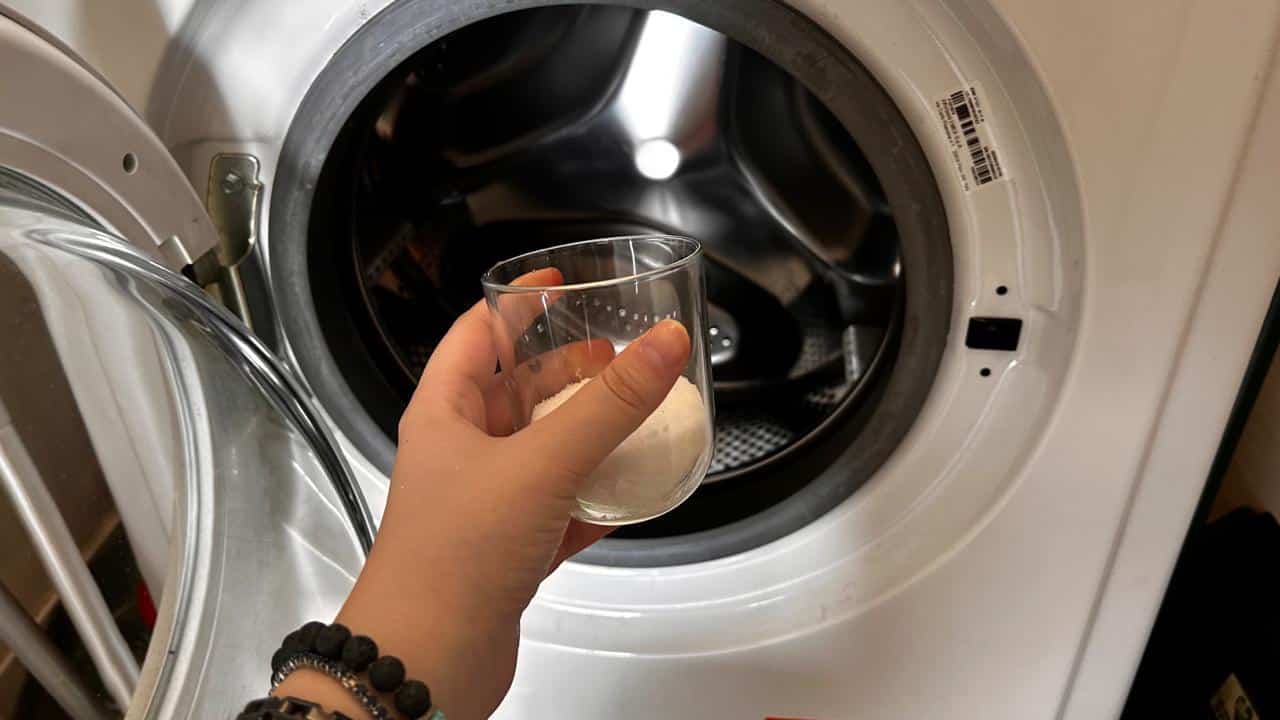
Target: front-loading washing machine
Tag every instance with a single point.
(984, 279)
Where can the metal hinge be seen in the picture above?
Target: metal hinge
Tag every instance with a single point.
(234, 201)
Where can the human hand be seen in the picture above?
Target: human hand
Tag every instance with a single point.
(478, 516)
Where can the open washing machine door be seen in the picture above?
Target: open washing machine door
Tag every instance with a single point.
(141, 420)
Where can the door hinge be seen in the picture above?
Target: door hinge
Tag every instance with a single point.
(234, 202)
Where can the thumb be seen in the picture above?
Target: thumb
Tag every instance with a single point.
(610, 407)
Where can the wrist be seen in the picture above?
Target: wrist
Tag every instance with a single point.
(441, 641)
(374, 679)
(316, 687)
(319, 688)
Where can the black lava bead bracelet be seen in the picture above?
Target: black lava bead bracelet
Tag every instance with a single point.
(357, 654)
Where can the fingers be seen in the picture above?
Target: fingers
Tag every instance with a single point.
(460, 366)
(463, 363)
(540, 378)
(519, 309)
(613, 405)
(578, 536)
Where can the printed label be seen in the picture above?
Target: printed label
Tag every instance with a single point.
(964, 120)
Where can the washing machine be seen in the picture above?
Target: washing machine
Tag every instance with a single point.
(985, 277)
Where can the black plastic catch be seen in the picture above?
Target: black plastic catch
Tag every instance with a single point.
(993, 333)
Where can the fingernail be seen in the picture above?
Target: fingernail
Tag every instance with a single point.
(667, 344)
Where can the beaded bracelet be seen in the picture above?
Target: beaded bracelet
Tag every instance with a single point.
(277, 708)
(332, 649)
(336, 671)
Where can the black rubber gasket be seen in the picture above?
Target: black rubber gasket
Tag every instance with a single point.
(842, 460)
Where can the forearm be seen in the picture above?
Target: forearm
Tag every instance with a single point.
(444, 635)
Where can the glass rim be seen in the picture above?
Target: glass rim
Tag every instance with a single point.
(489, 283)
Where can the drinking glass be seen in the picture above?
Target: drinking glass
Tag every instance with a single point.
(561, 314)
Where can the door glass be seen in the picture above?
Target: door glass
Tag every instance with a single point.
(160, 464)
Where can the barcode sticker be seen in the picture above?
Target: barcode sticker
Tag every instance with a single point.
(964, 120)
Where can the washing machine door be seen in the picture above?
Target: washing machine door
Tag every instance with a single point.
(143, 430)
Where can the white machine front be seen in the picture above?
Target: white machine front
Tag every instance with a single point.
(986, 274)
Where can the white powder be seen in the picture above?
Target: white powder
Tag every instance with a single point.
(649, 473)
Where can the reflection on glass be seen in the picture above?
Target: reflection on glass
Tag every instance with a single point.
(160, 465)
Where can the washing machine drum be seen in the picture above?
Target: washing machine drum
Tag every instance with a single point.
(828, 265)
(151, 449)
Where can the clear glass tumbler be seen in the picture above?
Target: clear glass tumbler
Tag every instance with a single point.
(562, 313)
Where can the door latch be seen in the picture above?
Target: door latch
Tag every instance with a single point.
(234, 202)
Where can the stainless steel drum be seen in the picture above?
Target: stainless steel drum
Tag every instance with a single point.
(441, 140)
